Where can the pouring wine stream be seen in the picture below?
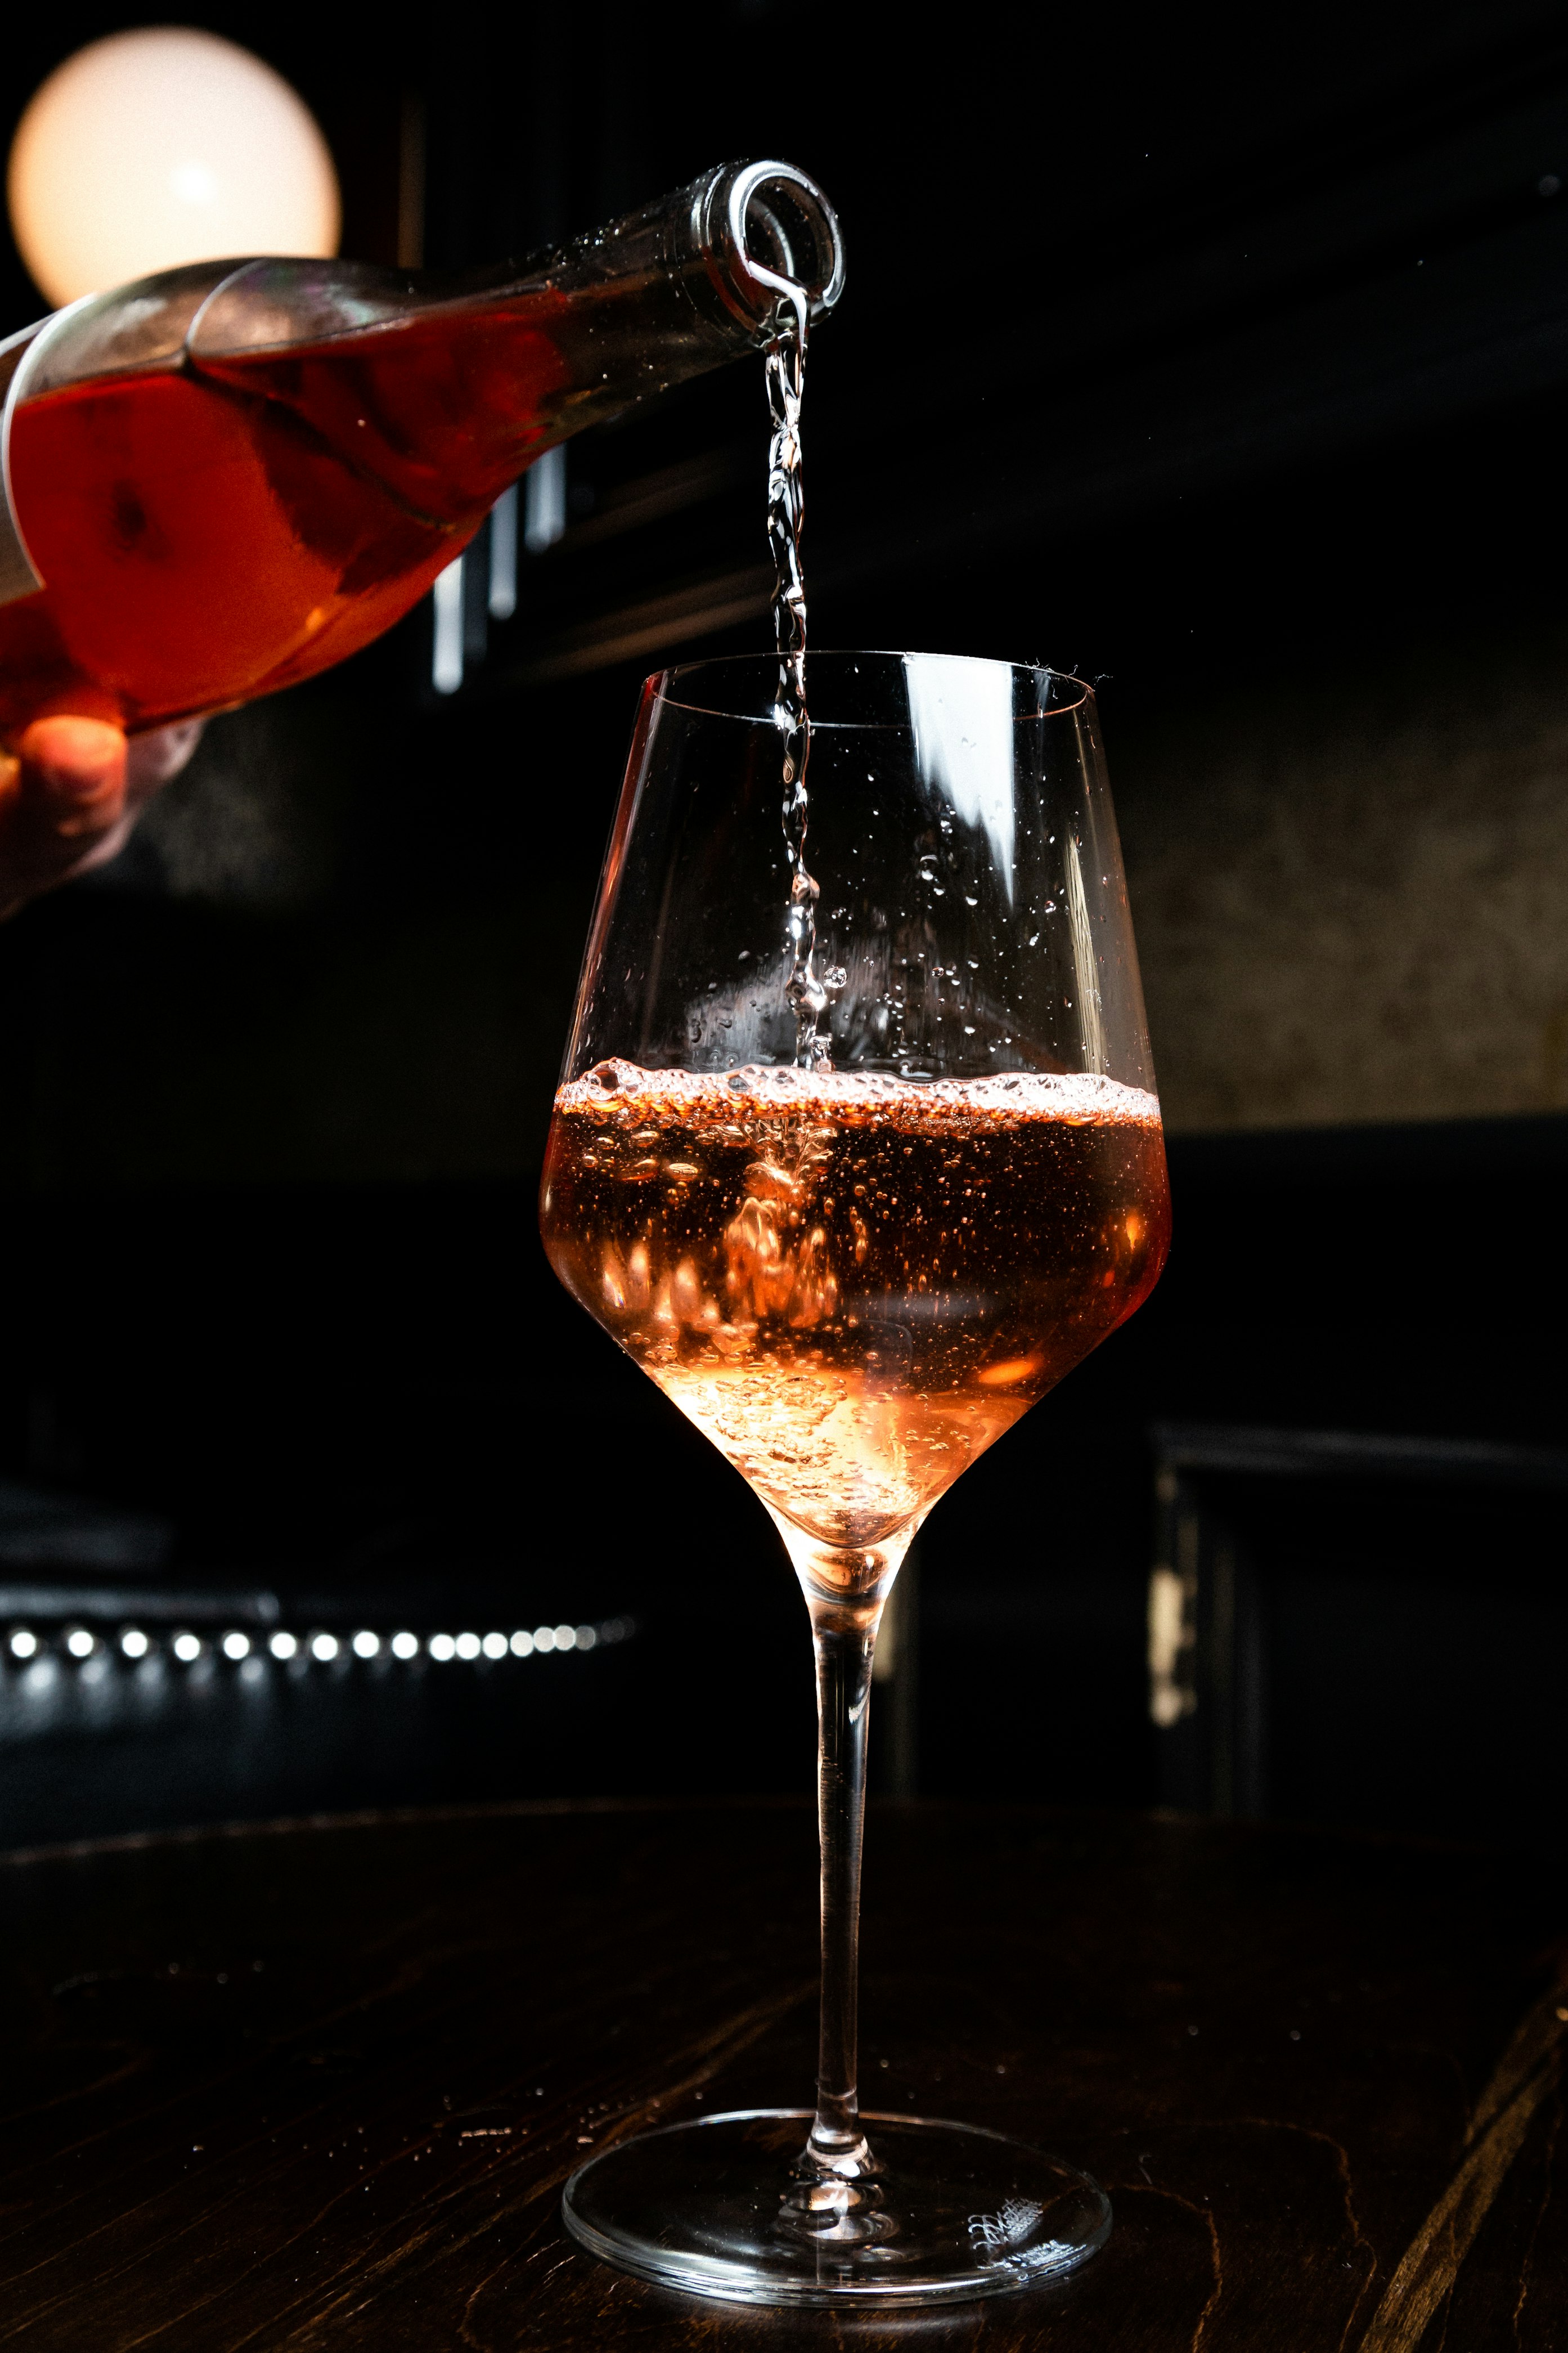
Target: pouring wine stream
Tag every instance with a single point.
(786, 517)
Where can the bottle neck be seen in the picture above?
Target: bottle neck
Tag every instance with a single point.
(629, 311)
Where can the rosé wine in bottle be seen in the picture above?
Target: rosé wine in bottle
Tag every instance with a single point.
(229, 477)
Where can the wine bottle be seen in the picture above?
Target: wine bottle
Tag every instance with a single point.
(227, 477)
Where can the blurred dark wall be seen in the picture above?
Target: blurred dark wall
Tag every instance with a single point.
(1226, 366)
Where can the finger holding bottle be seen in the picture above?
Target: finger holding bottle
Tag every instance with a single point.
(71, 792)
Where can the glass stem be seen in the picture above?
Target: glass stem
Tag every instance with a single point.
(845, 1637)
(836, 2195)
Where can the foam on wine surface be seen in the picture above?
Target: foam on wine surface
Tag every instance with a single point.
(852, 1283)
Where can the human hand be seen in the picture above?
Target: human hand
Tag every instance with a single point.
(70, 794)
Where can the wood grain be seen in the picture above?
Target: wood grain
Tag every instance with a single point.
(320, 2083)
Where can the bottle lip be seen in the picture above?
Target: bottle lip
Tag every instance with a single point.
(742, 205)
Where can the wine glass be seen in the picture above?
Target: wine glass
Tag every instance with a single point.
(853, 1245)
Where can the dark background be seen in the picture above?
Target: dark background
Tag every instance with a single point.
(1173, 351)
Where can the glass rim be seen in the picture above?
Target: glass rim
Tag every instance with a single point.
(659, 682)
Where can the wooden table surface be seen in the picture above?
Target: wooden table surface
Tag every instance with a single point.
(319, 2085)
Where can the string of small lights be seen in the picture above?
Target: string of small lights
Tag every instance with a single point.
(23, 1644)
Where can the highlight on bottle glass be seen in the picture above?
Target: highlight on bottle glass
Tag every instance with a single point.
(222, 480)
(856, 1153)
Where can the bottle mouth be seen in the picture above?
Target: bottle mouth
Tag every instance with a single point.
(779, 241)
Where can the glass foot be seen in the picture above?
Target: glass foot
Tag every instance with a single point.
(950, 2214)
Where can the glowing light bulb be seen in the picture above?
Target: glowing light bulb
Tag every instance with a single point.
(163, 146)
